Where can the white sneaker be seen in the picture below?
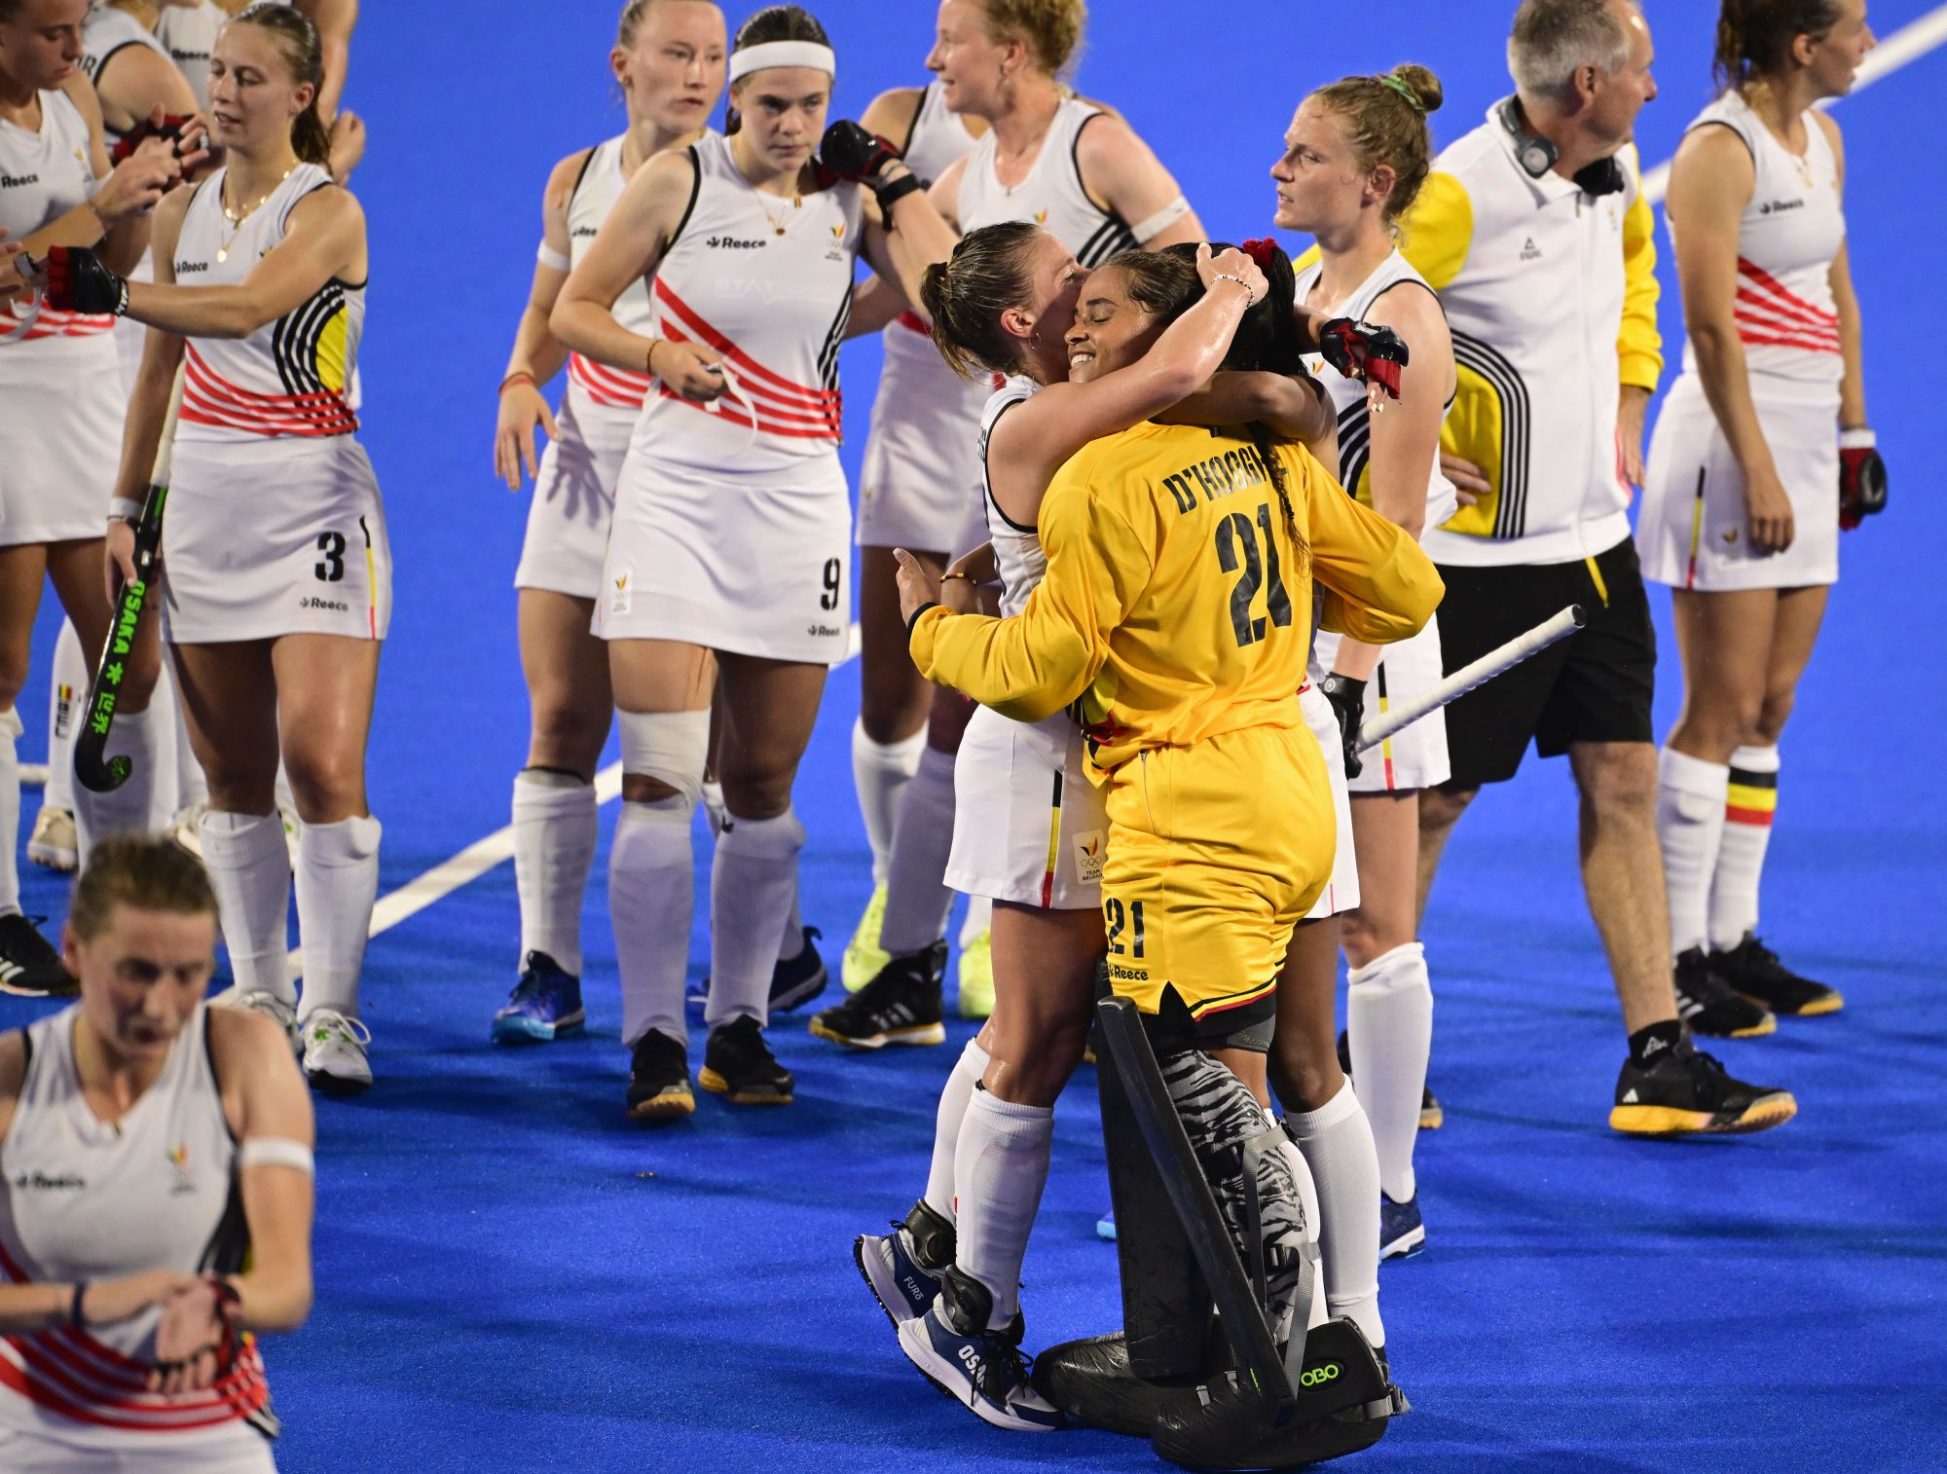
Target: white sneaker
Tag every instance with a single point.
(334, 1051)
(53, 844)
(257, 1000)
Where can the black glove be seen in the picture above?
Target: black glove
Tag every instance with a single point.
(1372, 355)
(170, 128)
(78, 282)
(1862, 478)
(852, 153)
(1348, 697)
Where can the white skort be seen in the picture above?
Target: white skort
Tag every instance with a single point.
(574, 497)
(919, 475)
(1028, 826)
(1341, 892)
(1415, 756)
(61, 409)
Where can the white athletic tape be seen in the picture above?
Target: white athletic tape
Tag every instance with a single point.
(782, 54)
(275, 1151)
(27, 319)
(1496, 662)
(33, 775)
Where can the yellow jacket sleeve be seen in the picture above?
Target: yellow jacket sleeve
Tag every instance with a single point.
(1639, 343)
(1371, 579)
(1036, 663)
(1437, 231)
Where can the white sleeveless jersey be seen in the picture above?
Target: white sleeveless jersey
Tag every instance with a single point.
(595, 194)
(291, 377)
(773, 306)
(188, 33)
(1790, 234)
(81, 1200)
(105, 32)
(1350, 398)
(937, 140)
(43, 175)
(1017, 549)
(1052, 195)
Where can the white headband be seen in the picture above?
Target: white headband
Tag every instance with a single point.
(782, 54)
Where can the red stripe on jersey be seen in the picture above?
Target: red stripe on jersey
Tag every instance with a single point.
(731, 412)
(55, 322)
(615, 388)
(1758, 335)
(823, 400)
(211, 399)
(913, 322)
(1784, 299)
(778, 416)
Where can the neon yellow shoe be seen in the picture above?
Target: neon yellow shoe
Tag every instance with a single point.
(864, 957)
(977, 976)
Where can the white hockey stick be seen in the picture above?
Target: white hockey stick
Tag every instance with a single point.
(1496, 662)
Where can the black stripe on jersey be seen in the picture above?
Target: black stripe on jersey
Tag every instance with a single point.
(828, 355)
(294, 341)
(1110, 237)
(587, 158)
(696, 188)
(987, 480)
(1511, 516)
(926, 97)
(94, 72)
(283, 221)
(1355, 444)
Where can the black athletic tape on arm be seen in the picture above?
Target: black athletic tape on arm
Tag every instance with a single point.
(913, 623)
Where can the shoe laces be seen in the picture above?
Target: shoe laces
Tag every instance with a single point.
(1759, 958)
(336, 1028)
(1704, 987)
(1003, 1365)
(896, 979)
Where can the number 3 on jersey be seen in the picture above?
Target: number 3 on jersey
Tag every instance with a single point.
(1237, 549)
(331, 569)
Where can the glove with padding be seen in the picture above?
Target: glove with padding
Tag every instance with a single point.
(1348, 697)
(1862, 478)
(1359, 350)
(851, 152)
(170, 128)
(78, 282)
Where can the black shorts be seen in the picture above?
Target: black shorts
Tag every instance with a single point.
(1594, 686)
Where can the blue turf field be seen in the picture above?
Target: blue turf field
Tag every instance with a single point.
(510, 1277)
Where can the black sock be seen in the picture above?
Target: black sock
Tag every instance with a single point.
(1647, 1046)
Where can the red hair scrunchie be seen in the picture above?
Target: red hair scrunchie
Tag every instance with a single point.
(1264, 252)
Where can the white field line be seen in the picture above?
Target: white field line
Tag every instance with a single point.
(1904, 47)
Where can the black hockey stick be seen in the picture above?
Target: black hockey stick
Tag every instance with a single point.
(98, 773)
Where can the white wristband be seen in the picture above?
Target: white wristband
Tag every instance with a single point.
(548, 256)
(275, 1151)
(124, 509)
(1860, 439)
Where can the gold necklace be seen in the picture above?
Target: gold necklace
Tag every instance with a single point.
(779, 224)
(237, 218)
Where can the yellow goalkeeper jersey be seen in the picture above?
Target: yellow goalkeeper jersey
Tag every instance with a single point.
(1177, 604)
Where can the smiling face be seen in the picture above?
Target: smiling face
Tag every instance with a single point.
(1619, 96)
(1055, 281)
(1320, 186)
(783, 112)
(1112, 329)
(253, 96)
(41, 42)
(968, 61)
(672, 74)
(142, 975)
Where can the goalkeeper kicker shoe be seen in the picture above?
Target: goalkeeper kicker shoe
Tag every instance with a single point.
(899, 1006)
(903, 1268)
(1686, 1092)
(981, 1369)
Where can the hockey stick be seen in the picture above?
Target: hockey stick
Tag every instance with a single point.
(90, 743)
(1496, 662)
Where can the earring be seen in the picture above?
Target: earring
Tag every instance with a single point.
(1034, 341)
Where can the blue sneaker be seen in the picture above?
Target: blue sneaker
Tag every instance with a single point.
(546, 1002)
(982, 1369)
(895, 1265)
(1105, 1226)
(1401, 1232)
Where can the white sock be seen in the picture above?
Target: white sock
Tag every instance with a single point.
(128, 809)
(10, 729)
(337, 881)
(192, 788)
(554, 849)
(713, 809)
(1308, 1191)
(167, 734)
(651, 899)
(751, 885)
(1690, 796)
(1389, 1027)
(880, 773)
(67, 699)
(1752, 800)
(917, 902)
(958, 1090)
(793, 944)
(1337, 1142)
(1000, 1165)
(250, 870)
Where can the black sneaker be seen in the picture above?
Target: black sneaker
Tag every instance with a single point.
(801, 979)
(1686, 1091)
(899, 1006)
(29, 965)
(1753, 970)
(1432, 1118)
(1708, 1005)
(659, 1079)
(738, 1063)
